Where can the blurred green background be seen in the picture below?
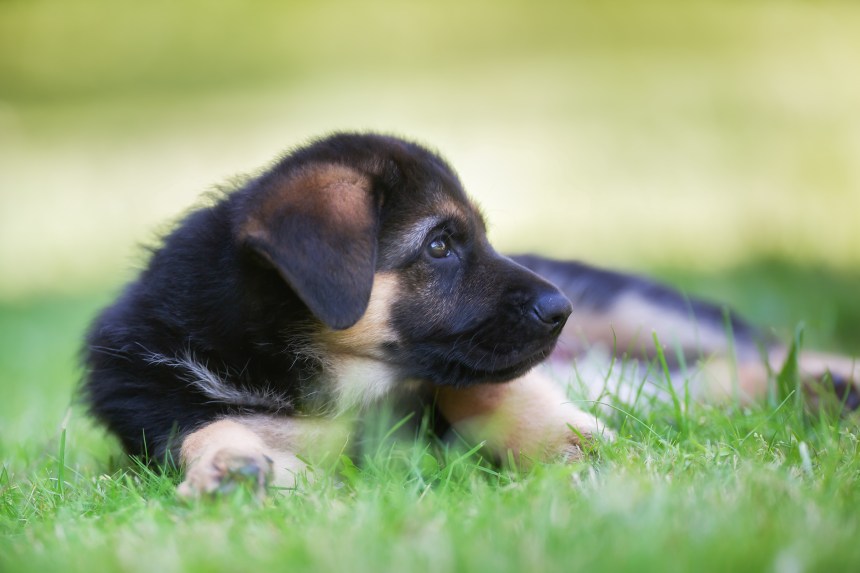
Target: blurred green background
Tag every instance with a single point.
(713, 144)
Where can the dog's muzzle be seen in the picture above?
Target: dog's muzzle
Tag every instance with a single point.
(550, 310)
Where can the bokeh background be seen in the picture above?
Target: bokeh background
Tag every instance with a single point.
(715, 145)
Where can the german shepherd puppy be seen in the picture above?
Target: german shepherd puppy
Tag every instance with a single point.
(355, 268)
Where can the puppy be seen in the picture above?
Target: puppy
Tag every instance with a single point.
(353, 269)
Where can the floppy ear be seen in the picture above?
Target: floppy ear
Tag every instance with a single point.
(317, 225)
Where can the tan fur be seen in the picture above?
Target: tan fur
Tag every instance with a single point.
(367, 335)
(268, 448)
(212, 453)
(816, 363)
(530, 417)
(339, 197)
(359, 382)
(718, 378)
(628, 326)
(747, 380)
(412, 234)
(223, 433)
(449, 208)
(355, 366)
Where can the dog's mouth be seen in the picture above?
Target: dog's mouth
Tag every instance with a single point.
(463, 374)
(445, 365)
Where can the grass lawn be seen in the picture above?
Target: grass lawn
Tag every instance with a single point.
(706, 489)
(713, 144)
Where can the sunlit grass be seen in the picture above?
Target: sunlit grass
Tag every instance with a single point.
(714, 144)
(684, 487)
(693, 487)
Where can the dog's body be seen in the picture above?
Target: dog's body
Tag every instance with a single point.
(354, 269)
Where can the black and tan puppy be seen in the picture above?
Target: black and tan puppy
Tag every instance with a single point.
(353, 269)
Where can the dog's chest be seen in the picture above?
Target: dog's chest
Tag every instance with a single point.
(350, 384)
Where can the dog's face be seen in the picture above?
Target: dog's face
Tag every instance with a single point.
(379, 240)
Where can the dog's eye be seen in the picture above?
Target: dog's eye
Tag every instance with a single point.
(438, 248)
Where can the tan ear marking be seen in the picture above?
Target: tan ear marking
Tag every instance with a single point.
(317, 191)
(374, 328)
(316, 224)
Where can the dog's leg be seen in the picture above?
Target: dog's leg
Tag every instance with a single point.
(722, 361)
(256, 451)
(529, 417)
(748, 380)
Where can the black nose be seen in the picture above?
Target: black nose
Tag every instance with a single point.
(552, 309)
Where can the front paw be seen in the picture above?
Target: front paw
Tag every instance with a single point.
(224, 471)
(562, 433)
(583, 434)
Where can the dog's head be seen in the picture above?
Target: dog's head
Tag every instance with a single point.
(378, 239)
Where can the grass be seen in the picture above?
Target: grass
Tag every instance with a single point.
(685, 487)
(713, 144)
(739, 493)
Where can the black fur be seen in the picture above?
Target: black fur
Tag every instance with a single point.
(248, 295)
(242, 286)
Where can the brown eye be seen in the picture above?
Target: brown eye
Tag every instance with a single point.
(438, 248)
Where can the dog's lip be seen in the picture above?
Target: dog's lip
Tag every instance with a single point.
(509, 371)
(436, 363)
(512, 371)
